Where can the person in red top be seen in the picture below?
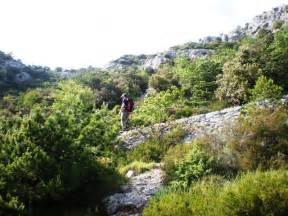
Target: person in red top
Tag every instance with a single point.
(124, 111)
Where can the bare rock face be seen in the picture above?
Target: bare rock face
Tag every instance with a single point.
(153, 62)
(135, 194)
(194, 126)
(265, 21)
(14, 72)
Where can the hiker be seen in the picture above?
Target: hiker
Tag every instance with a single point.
(125, 110)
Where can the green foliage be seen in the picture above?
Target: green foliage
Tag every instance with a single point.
(108, 86)
(260, 139)
(172, 156)
(237, 78)
(257, 194)
(159, 108)
(163, 79)
(266, 89)
(190, 168)
(265, 55)
(277, 59)
(260, 193)
(199, 77)
(56, 149)
(156, 146)
(137, 166)
(32, 97)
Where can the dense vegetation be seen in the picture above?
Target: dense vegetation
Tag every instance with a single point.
(244, 174)
(58, 142)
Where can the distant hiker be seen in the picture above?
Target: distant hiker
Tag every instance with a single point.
(125, 110)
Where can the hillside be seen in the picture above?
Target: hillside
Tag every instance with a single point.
(15, 75)
(134, 196)
(209, 126)
(269, 21)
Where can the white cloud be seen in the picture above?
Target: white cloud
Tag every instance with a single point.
(76, 33)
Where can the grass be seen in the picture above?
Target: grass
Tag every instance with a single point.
(138, 167)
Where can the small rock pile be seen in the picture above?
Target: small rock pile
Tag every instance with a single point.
(133, 197)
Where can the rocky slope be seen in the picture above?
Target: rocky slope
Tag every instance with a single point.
(270, 20)
(152, 62)
(133, 197)
(14, 74)
(194, 126)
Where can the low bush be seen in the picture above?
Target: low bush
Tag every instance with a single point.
(170, 159)
(257, 194)
(260, 193)
(190, 168)
(185, 163)
(156, 146)
(266, 89)
(260, 139)
(55, 151)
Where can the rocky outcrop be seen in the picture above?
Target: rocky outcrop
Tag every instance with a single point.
(153, 62)
(194, 126)
(14, 73)
(270, 20)
(267, 19)
(133, 197)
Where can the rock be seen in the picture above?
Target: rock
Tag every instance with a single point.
(194, 126)
(13, 72)
(264, 21)
(22, 77)
(197, 53)
(134, 197)
(130, 173)
(154, 63)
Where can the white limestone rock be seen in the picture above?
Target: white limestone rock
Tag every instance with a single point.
(135, 194)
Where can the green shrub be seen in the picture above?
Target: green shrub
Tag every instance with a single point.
(158, 108)
(260, 139)
(192, 167)
(266, 89)
(200, 199)
(156, 146)
(277, 59)
(260, 193)
(257, 194)
(163, 79)
(56, 150)
(173, 155)
(236, 80)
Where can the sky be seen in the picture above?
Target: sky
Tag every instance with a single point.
(79, 33)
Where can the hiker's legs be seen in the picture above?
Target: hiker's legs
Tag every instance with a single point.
(124, 120)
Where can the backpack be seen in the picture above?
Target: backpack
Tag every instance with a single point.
(130, 105)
